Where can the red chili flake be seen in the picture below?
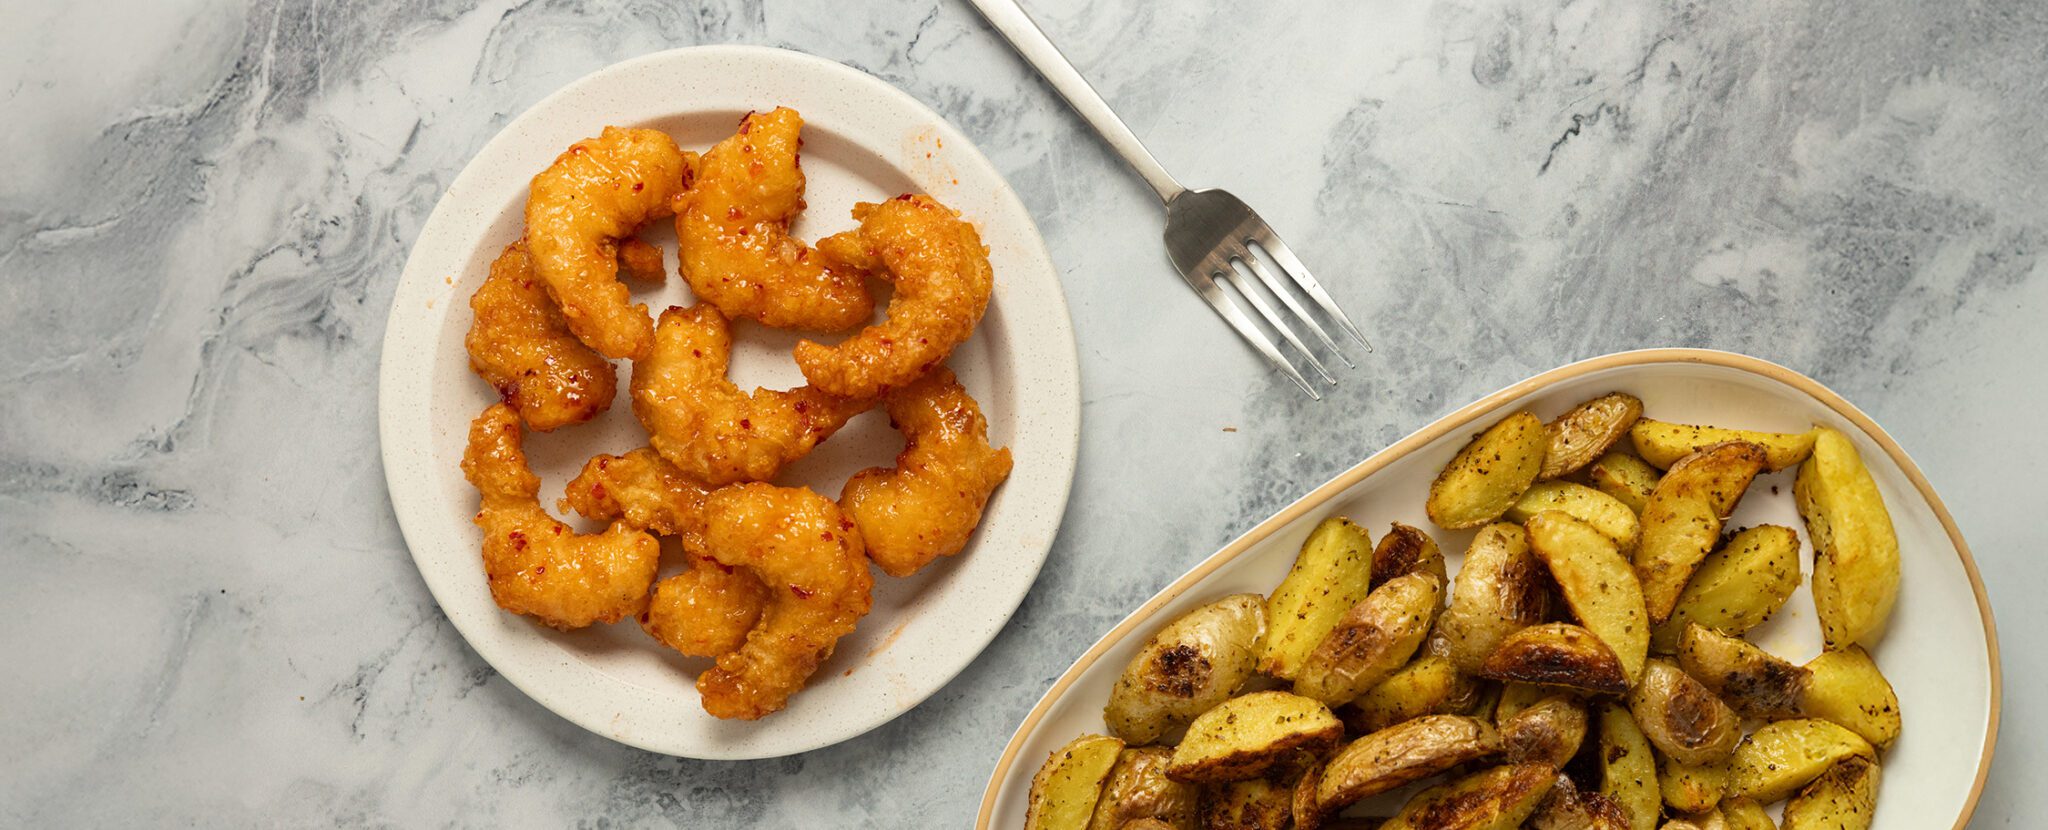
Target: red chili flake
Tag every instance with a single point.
(746, 148)
(826, 535)
(558, 530)
(597, 491)
(801, 592)
(802, 407)
(637, 186)
(604, 463)
(903, 198)
(676, 308)
(696, 352)
(643, 618)
(539, 570)
(518, 540)
(845, 524)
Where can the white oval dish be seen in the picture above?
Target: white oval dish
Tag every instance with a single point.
(864, 141)
(1940, 649)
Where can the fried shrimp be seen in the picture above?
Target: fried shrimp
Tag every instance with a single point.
(535, 564)
(595, 194)
(705, 611)
(809, 556)
(732, 228)
(641, 262)
(943, 282)
(521, 346)
(707, 427)
(929, 504)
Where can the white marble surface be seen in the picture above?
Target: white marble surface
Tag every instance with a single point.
(213, 619)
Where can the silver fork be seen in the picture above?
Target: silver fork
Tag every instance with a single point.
(1208, 232)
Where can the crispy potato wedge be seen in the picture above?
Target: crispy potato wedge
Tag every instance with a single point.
(1856, 551)
(1245, 736)
(1501, 588)
(1514, 697)
(1406, 550)
(1546, 732)
(1484, 479)
(1429, 686)
(1625, 477)
(1845, 687)
(1682, 520)
(1628, 770)
(1332, 573)
(1263, 803)
(1597, 582)
(1746, 814)
(1663, 444)
(1843, 798)
(1497, 799)
(1194, 663)
(1064, 792)
(1751, 680)
(1708, 820)
(1692, 788)
(1372, 640)
(1682, 718)
(1589, 429)
(1146, 824)
(1558, 654)
(1781, 757)
(1137, 788)
(1737, 587)
(1602, 512)
(1569, 808)
(1395, 757)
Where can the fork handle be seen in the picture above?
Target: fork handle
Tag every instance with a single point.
(1030, 41)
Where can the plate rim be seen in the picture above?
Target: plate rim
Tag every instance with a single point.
(1479, 409)
(1064, 406)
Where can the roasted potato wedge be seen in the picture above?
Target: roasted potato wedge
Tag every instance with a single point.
(1628, 769)
(1194, 663)
(1746, 814)
(1064, 792)
(1497, 799)
(1602, 512)
(1263, 803)
(1682, 520)
(1546, 732)
(1856, 551)
(1558, 654)
(1843, 798)
(1484, 479)
(1663, 444)
(1597, 582)
(1395, 757)
(1137, 788)
(1429, 686)
(1146, 824)
(1625, 477)
(1514, 697)
(1737, 587)
(1589, 429)
(1244, 736)
(1709, 820)
(1692, 788)
(1372, 640)
(1781, 757)
(1751, 680)
(1682, 718)
(1501, 588)
(1406, 550)
(1332, 573)
(1568, 808)
(1845, 687)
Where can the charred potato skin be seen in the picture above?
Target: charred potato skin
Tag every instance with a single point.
(1624, 477)
(1546, 732)
(1137, 788)
(1190, 665)
(1332, 573)
(1856, 549)
(1737, 587)
(1406, 549)
(1496, 799)
(1845, 687)
(1489, 473)
(1064, 792)
(1397, 756)
(1597, 582)
(1372, 641)
(1568, 808)
(1751, 680)
(1628, 768)
(1245, 736)
(1501, 588)
(1429, 685)
(1843, 798)
(1682, 520)
(1781, 757)
(1558, 654)
(1662, 443)
(1581, 435)
(1682, 717)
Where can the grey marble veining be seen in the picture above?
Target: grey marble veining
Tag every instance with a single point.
(213, 619)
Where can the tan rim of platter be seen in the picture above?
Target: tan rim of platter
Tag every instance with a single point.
(1479, 409)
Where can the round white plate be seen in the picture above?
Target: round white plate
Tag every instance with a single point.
(863, 141)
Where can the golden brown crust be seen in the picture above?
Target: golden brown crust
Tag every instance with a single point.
(930, 502)
(520, 344)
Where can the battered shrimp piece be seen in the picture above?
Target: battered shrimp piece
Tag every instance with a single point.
(809, 555)
(732, 229)
(535, 564)
(707, 427)
(943, 282)
(642, 262)
(520, 345)
(594, 195)
(642, 489)
(705, 611)
(929, 504)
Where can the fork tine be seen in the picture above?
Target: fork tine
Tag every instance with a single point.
(1267, 239)
(1272, 318)
(1265, 275)
(1226, 309)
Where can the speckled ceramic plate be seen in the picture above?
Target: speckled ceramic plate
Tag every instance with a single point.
(864, 141)
(1940, 649)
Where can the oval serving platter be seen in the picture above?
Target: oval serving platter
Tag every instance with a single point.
(1940, 649)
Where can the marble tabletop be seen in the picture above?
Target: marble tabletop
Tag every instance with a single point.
(213, 619)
